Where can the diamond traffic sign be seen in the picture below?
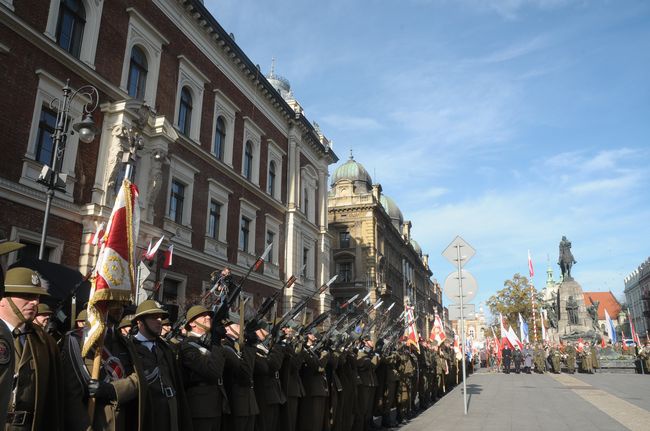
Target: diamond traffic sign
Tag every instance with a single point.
(451, 252)
(452, 285)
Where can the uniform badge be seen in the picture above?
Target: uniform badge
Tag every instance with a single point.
(5, 352)
(35, 280)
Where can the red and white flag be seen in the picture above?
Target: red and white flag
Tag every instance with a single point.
(635, 336)
(151, 251)
(114, 276)
(438, 331)
(531, 271)
(411, 332)
(168, 256)
(98, 237)
(509, 336)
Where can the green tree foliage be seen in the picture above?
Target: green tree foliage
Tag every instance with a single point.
(513, 299)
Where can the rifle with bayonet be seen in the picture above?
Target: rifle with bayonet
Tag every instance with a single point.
(268, 303)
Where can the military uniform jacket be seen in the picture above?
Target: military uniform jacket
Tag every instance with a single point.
(39, 388)
(7, 361)
(290, 372)
(313, 374)
(268, 388)
(366, 369)
(238, 379)
(202, 369)
(120, 358)
(164, 386)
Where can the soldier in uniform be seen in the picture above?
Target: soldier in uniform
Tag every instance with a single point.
(312, 374)
(43, 315)
(268, 387)
(202, 365)
(594, 356)
(290, 378)
(644, 357)
(166, 395)
(570, 352)
(366, 364)
(238, 377)
(555, 359)
(506, 353)
(35, 400)
(517, 358)
(119, 397)
(7, 354)
(125, 326)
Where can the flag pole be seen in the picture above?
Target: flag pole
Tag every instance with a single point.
(531, 271)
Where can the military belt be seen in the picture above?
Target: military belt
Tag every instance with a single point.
(19, 418)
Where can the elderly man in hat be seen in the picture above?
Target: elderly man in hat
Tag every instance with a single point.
(167, 403)
(202, 365)
(120, 399)
(6, 340)
(34, 402)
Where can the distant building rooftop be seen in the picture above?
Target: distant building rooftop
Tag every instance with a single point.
(607, 302)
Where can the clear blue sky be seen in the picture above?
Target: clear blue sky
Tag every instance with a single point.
(508, 122)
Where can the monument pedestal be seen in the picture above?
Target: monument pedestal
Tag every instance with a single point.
(574, 321)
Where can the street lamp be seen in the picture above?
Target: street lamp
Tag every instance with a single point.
(86, 129)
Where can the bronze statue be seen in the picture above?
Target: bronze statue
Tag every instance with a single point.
(572, 310)
(566, 259)
(593, 313)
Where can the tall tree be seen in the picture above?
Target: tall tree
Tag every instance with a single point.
(513, 299)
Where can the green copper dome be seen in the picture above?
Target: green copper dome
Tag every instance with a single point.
(393, 211)
(352, 171)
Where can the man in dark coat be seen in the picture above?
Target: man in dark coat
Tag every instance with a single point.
(506, 354)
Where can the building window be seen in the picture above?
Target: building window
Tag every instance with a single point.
(305, 208)
(248, 161)
(344, 271)
(270, 239)
(170, 291)
(70, 29)
(305, 262)
(244, 234)
(45, 142)
(344, 239)
(213, 219)
(219, 138)
(176, 202)
(137, 73)
(271, 181)
(185, 111)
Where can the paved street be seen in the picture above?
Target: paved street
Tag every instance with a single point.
(546, 402)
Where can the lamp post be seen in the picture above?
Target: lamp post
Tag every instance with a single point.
(86, 129)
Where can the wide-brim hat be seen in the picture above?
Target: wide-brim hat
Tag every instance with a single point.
(125, 323)
(196, 311)
(9, 246)
(149, 307)
(44, 309)
(20, 280)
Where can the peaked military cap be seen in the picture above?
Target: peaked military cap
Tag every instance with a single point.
(125, 323)
(149, 307)
(23, 281)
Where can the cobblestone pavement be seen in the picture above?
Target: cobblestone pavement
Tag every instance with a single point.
(547, 402)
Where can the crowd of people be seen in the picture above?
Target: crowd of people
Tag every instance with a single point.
(571, 357)
(212, 372)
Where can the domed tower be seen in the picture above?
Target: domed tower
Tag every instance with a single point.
(351, 178)
(282, 85)
(393, 211)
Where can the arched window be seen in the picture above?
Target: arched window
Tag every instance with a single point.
(185, 111)
(70, 28)
(271, 182)
(137, 73)
(219, 138)
(248, 161)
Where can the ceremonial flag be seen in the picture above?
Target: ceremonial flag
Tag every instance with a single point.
(168, 256)
(509, 335)
(151, 251)
(611, 330)
(114, 276)
(438, 331)
(98, 237)
(523, 329)
(531, 271)
(411, 332)
(635, 336)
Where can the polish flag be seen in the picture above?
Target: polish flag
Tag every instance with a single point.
(114, 275)
(635, 336)
(168, 256)
(98, 237)
(531, 271)
(438, 331)
(509, 336)
(151, 251)
(411, 332)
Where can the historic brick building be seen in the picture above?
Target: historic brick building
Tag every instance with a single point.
(373, 251)
(229, 161)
